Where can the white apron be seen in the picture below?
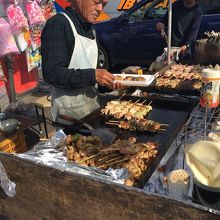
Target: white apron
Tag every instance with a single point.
(77, 103)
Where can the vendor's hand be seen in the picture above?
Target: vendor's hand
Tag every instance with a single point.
(117, 86)
(104, 78)
(160, 27)
(183, 49)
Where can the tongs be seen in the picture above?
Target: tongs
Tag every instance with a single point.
(104, 134)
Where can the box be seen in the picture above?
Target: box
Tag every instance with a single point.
(14, 144)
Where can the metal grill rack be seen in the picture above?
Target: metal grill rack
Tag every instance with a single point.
(200, 122)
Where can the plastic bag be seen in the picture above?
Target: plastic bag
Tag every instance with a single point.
(35, 15)
(6, 184)
(20, 108)
(16, 17)
(3, 98)
(2, 75)
(7, 41)
(35, 32)
(47, 8)
(33, 58)
(161, 59)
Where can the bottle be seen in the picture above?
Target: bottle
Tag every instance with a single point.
(210, 92)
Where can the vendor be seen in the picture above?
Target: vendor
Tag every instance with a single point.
(187, 16)
(70, 57)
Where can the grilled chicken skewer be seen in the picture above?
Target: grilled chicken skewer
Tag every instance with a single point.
(140, 125)
(127, 153)
(126, 109)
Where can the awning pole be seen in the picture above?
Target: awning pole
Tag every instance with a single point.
(169, 31)
(9, 61)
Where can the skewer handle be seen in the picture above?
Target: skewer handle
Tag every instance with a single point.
(150, 103)
(165, 125)
(161, 129)
(108, 164)
(122, 96)
(88, 158)
(110, 123)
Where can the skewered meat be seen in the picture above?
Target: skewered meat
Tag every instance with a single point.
(138, 124)
(183, 72)
(163, 82)
(139, 78)
(69, 139)
(130, 147)
(123, 77)
(129, 182)
(197, 85)
(126, 109)
(121, 154)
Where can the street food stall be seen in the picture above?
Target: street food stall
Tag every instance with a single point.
(76, 174)
(126, 160)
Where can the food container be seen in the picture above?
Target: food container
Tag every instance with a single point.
(134, 79)
(216, 126)
(178, 184)
(206, 195)
(174, 53)
(2, 116)
(214, 137)
(203, 158)
(210, 91)
(9, 125)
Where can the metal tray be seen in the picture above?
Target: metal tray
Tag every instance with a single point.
(174, 113)
(185, 87)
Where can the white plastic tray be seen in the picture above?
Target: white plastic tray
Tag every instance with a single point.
(147, 82)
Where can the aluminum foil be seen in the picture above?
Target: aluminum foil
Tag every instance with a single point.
(172, 160)
(52, 153)
(7, 185)
(175, 159)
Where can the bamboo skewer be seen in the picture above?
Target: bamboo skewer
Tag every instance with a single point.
(122, 96)
(110, 149)
(105, 157)
(108, 164)
(138, 104)
(165, 125)
(149, 103)
(113, 121)
(143, 101)
(115, 158)
(161, 129)
(88, 158)
(110, 123)
(117, 124)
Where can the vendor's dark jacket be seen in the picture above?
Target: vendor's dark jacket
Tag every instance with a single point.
(57, 47)
(185, 23)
